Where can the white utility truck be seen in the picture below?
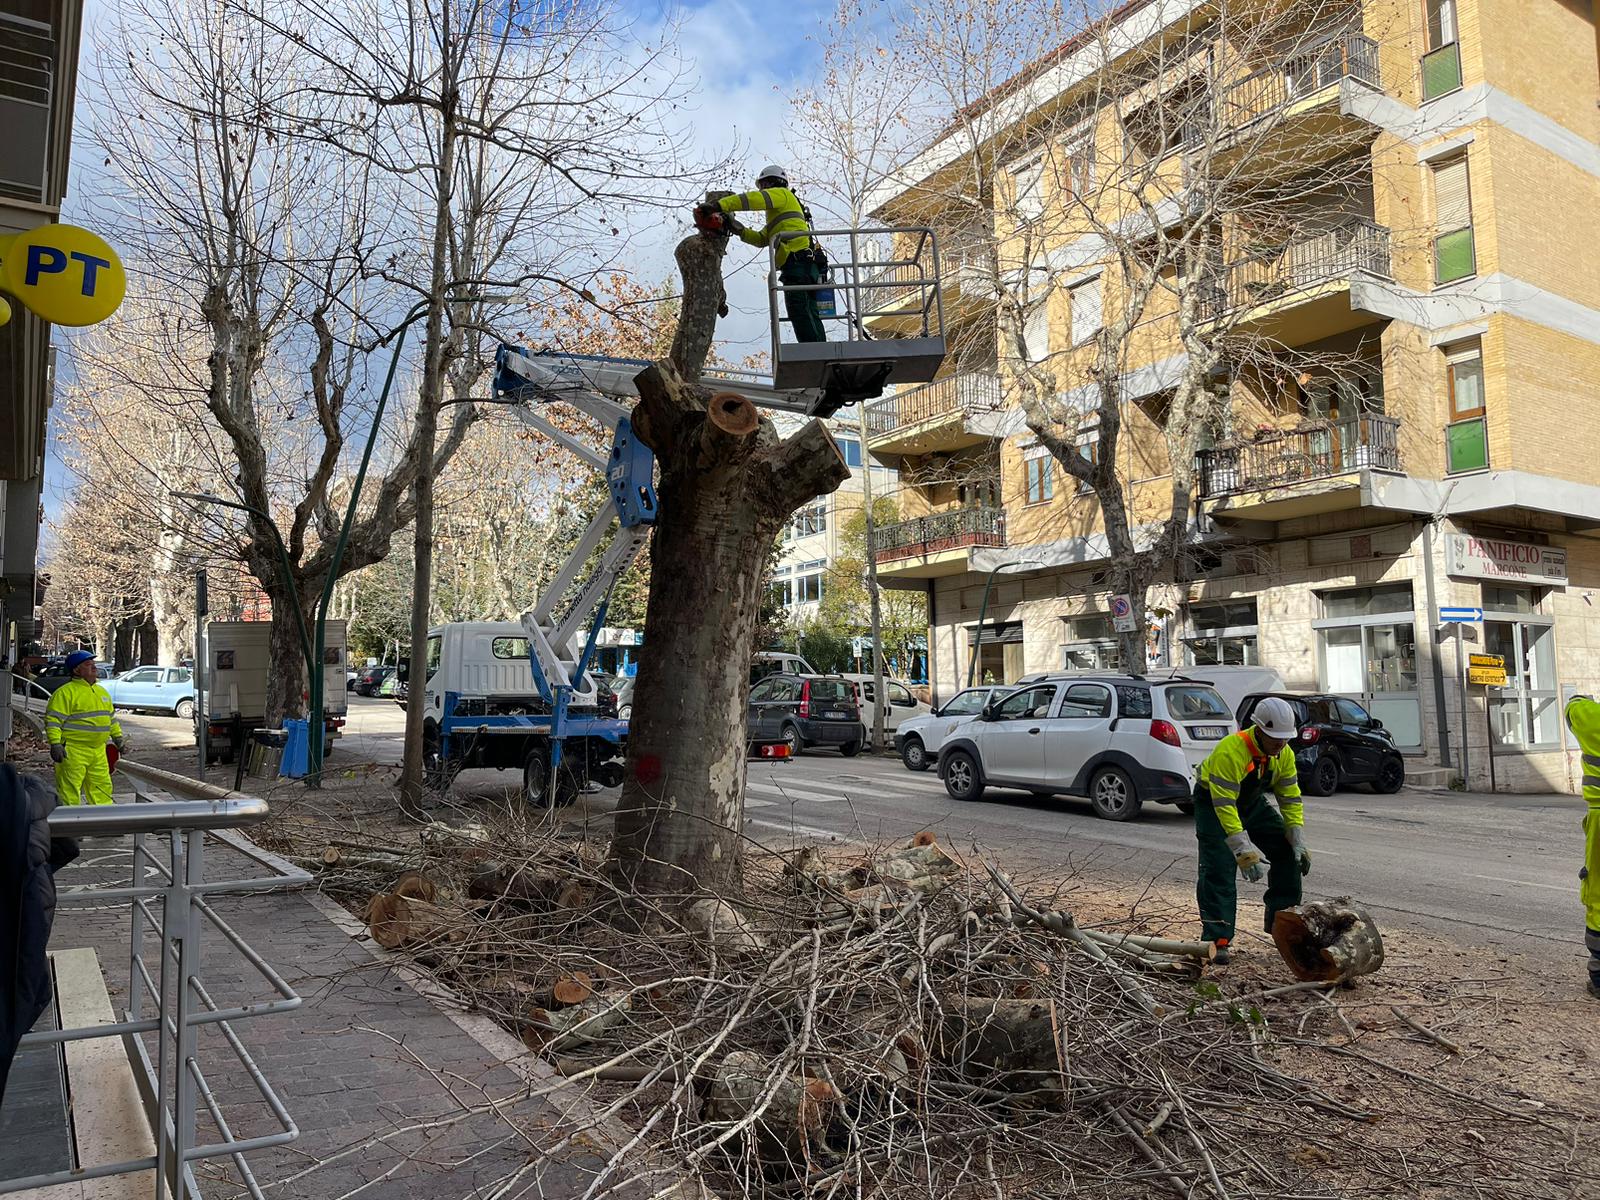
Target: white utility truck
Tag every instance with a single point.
(237, 664)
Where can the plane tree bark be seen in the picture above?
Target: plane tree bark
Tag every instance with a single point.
(726, 485)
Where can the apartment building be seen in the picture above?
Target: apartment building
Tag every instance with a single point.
(1424, 438)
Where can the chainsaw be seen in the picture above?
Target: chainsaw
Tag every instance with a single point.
(711, 220)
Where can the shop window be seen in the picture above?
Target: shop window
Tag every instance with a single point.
(1454, 254)
(1367, 601)
(1526, 712)
(1091, 644)
(1466, 437)
(1039, 474)
(1441, 65)
(1367, 651)
(1223, 634)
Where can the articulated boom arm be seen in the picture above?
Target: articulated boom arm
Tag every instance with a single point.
(560, 649)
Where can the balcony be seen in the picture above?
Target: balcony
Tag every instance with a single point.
(964, 265)
(947, 414)
(936, 545)
(1305, 81)
(1301, 290)
(1317, 468)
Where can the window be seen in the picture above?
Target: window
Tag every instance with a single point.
(1441, 65)
(1526, 711)
(1194, 702)
(1366, 601)
(1091, 645)
(1039, 471)
(1029, 703)
(899, 695)
(765, 690)
(782, 592)
(1223, 634)
(509, 647)
(827, 691)
(1367, 651)
(435, 650)
(1080, 166)
(1087, 315)
(1134, 702)
(184, 675)
(1088, 446)
(808, 589)
(1036, 331)
(1351, 713)
(1086, 702)
(1467, 435)
(851, 449)
(810, 520)
(1028, 185)
(967, 704)
(143, 675)
(1453, 254)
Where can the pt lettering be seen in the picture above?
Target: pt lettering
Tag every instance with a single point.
(91, 267)
(43, 260)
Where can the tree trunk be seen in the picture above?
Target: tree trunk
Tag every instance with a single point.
(124, 654)
(726, 486)
(286, 681)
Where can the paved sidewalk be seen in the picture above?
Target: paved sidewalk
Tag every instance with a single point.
(394, 1099)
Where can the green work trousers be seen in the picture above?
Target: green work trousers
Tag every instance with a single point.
(802, 306)
(1217, 887)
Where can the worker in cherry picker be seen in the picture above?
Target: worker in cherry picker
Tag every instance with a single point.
(788, 229)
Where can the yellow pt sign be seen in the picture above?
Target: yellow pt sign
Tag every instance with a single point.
(63, 274)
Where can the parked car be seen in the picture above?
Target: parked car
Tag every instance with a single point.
(805, 710)
(350, 678)
(920, 738)
(902, 704)
(1339, 743)
(161, 689)
(774, 662)
(371, 679)
(51, 676)
(1121, 740)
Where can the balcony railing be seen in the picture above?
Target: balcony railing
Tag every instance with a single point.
(1346, 56)
(1319, 452)
(959, 263)
(1355, 244)
(952, 530)
(963, 393)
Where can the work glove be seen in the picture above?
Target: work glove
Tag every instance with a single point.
(732, 224)
(1297, 840)
(1247, 856)
(117, 742)
(58, 753)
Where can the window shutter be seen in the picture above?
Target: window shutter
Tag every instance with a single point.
(1036, 333)
(1087, 314)
(1452, 202)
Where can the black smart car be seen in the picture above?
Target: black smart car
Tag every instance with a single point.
(1339, 743)
(804, 711)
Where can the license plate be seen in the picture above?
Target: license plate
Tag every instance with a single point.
(1213, 732)
(833, 716)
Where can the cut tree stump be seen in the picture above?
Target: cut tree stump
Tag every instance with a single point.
(1328, 940)
(394, 921)
(414, 885)
(520, 886)
(1008, 1045)
(791, 1122)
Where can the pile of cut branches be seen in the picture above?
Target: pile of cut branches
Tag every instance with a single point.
(907, 1021)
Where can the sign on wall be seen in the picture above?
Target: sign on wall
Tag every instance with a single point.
(63, 274)
(1496, 558)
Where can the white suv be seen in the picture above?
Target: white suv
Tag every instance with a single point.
(1120, 740)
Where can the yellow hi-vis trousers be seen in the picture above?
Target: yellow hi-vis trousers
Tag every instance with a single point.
(83, 770)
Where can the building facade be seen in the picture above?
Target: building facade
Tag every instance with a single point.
(1415, 431)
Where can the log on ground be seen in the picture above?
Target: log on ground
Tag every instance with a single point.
(1008, 1045)
(1328, 939)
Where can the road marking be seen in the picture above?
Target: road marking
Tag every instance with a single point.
(793, 793)
(1549, 887)
(752, 802)
(788, 827)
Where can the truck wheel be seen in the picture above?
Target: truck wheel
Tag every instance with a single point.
(536, 784)
(436, 774)
(184, 710)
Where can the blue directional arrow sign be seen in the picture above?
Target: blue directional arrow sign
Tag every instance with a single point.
(1459, 615)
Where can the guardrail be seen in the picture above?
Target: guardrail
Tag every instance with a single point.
(950, 530)
(965, 393)
(1370, 441)
(171, 899)
(1354, 244)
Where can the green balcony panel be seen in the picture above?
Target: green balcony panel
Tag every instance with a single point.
(1454, 256)
(1466, 446)
(1441, 71)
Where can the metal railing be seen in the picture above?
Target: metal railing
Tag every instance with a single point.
(1344, 56)
(966, 393)
(860, 286)
(1333, 448)
(951, 530)
(171, 900)
(895, 283)
(1354, 244)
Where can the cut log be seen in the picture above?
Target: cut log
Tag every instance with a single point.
(1201, 950)
(722, 924)
(565, 1028)
(330, 856)
(572, 989)
(923, 866)
(521, 886)
(395, 921)
(1008, 1045)
(1328, 940)
(414, 885)
(790, 1123)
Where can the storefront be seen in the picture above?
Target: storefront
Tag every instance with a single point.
(1367, 650)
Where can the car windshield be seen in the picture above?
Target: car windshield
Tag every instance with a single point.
(967, 704)
(1192, 701)
(830, 691)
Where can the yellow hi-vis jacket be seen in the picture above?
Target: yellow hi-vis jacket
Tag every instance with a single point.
(786, 220)
(1583, 718)
(1238, 773)
(80, 714)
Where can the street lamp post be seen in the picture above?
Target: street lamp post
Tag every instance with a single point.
(983, 609)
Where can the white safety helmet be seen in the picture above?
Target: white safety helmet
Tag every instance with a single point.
(1275, 718)
(773, 171)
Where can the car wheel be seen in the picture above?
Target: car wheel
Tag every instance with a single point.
(962, 777)
(914, 755)
(184, 709)
(536, 783)
(850, 749)
(1113, 795)
(625, 713)
(1391, 776)
(1324, 776)
(793, 740)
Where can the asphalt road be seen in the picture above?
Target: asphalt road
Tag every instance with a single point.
(1485, 869)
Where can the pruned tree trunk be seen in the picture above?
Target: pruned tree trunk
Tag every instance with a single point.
(286, 681)
(1013, 1045)
(793, 1113)
(1328, 939)
(726, 485)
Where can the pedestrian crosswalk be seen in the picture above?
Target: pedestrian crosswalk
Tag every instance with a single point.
(770, 788)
